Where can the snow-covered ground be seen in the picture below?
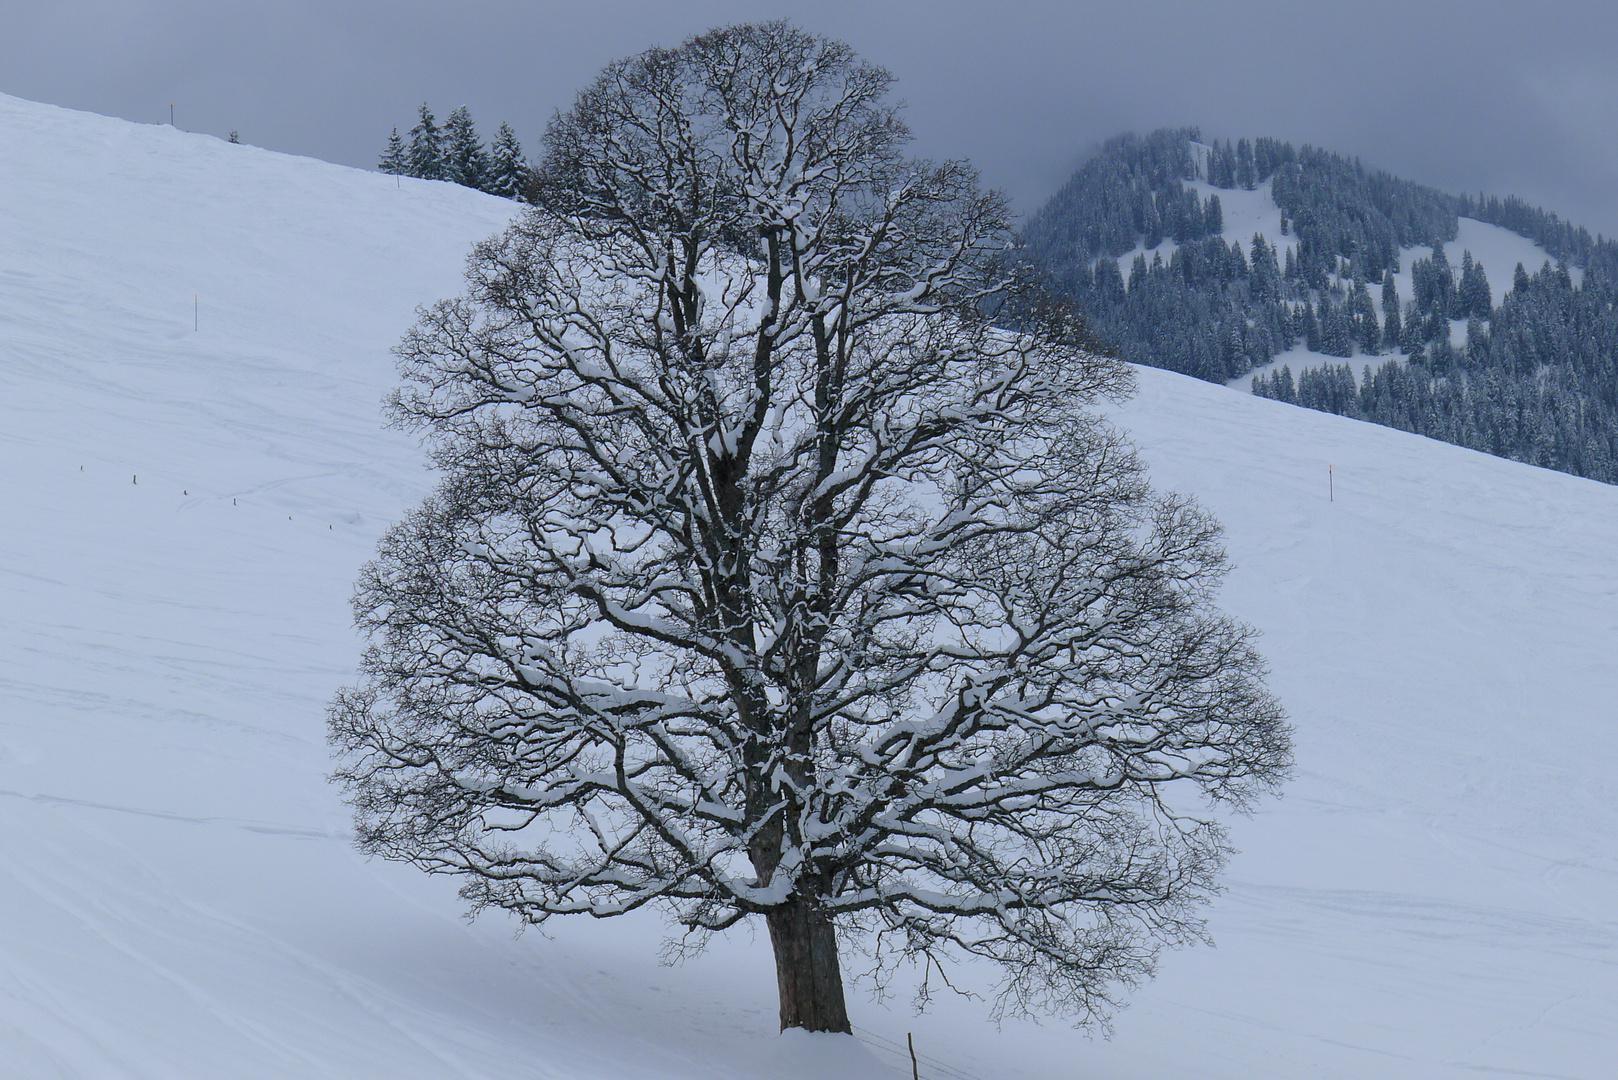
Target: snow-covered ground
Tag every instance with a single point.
(1246, 213)
(184, 511)
(1498, 249)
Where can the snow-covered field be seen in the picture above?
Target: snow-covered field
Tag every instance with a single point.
(185, 504)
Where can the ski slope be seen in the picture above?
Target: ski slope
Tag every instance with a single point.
(193, 346)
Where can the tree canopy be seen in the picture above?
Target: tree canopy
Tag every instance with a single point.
(781, 568)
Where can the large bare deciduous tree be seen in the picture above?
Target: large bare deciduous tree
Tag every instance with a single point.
(781, 567)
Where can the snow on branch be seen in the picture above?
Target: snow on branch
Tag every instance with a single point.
(780, 559)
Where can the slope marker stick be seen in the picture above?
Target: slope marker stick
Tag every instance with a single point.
(196, 311)
(1331, 486)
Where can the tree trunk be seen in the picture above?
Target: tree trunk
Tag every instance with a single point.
(806, 969)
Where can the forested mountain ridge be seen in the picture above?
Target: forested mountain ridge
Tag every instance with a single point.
(1322, 255)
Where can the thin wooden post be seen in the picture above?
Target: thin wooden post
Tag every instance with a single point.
(915, 1070)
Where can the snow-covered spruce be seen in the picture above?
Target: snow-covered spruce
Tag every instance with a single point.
(779, 569)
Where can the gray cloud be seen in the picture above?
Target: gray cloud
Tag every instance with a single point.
(1499, 97)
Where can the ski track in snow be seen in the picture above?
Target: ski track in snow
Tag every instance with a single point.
(186, 510)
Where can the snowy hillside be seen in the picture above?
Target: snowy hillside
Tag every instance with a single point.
(193, 345)
(1500, 251)
(1250, 213)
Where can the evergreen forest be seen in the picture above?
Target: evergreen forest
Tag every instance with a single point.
(1534, 379)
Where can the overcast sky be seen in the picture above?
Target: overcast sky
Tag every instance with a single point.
(1517, 97)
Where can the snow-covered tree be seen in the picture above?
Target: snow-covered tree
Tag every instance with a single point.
(466, 162)
(424, 157)
(508, 170)
(1390, 310)
(781, 569)
(1472, 292)
(393, 160)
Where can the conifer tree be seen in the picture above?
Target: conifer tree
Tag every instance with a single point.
(1367, 334)
(466, 162)
(1234, 353)
(1412, 334)
(1474, 299)
(1109, 282)
(425, 156)
(1137, 272)
(1226, 159)
(393, 160)
(1336, 334)
(1262, 283)
(1519, 280)
(1391, 324)
(1244, 165)
(1443, 283)
(1278, 385)
(508, 170)
(1153, 221)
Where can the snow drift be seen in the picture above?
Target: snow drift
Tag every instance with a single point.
(193, 343)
